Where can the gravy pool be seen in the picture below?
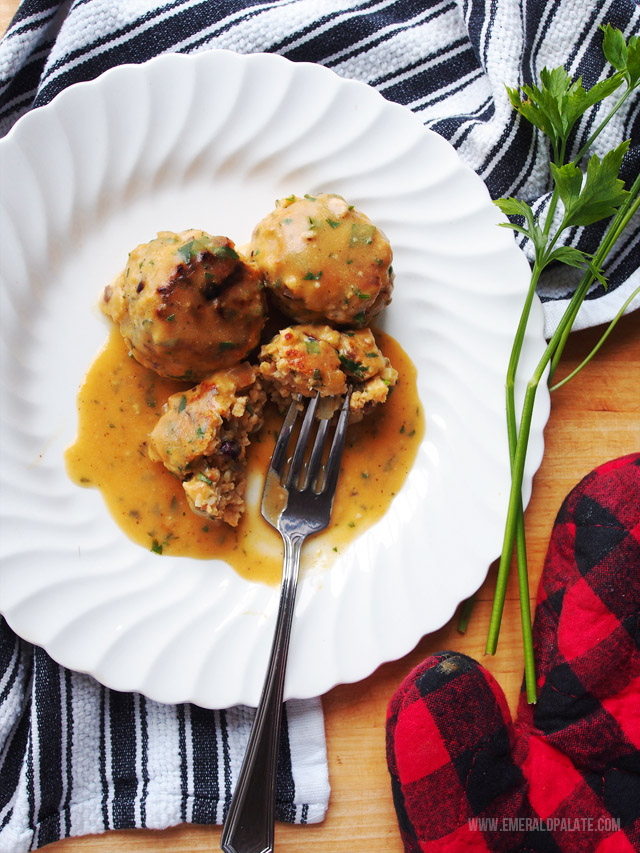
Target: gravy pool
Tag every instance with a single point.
(119, 403)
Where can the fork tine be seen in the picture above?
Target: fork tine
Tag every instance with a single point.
(315, 459)
(279, 457)
(335, 454)
(303, 439)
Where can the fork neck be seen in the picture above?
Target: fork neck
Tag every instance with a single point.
(292, 547)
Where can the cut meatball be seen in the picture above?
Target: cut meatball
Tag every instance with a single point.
(303, 360)
(323, 261)
(202, 438)
(310, 359)
(187, 304)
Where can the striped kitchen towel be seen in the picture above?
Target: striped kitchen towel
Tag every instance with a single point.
(75, 757)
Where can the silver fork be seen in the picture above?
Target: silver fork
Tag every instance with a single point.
(297, 504)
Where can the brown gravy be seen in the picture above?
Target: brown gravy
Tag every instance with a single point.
(118, 405)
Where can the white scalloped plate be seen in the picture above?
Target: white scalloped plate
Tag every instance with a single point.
(210, 141)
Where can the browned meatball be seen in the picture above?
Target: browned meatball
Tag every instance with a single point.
(187, 304)
(310, 359)
(323, 260)
(202, 438)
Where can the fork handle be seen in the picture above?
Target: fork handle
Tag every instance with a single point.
(248, 827)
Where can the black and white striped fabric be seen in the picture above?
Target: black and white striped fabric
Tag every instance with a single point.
(75, 757)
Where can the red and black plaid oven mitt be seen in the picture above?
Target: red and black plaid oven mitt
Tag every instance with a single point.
(565, 776)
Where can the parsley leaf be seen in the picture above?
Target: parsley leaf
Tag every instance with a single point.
(516, 207)
(353, 367)
(556, 105)
(599, 196)
(624, 56)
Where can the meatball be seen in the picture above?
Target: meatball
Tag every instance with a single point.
(310, 359)
(187, 304)
(323, 261)
(202, 438)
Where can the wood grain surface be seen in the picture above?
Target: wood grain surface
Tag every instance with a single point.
(594, 418)
(7, 11)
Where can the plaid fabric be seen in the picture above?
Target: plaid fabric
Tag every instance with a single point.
(565, 776)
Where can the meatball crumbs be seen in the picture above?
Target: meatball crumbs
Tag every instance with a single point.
(187, 304)
(202, 438)
(323, 261)
(310, 359)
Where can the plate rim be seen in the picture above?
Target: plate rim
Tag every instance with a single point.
(542, 404)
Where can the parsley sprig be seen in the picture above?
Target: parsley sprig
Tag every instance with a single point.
(582, 195)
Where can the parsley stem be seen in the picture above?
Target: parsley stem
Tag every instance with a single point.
(604, 337)
(617, 225)
(465, 613)
(605, 121)
(550, 213)
(512, 428)
(525, 609)
(519, 458)
(521, 548)
(517, 515)
(518, 441)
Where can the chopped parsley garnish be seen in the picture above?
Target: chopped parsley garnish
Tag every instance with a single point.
(360, 294)
(224, 252)
(156, 547)
(193, 247)
(362, 234)
(351, 366)
(204, 478)
(196, 247)
(314, 276)
(312, 346)
(182, 403)
(333, 223)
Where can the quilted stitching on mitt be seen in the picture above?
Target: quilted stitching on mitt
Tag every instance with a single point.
(565, 776)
